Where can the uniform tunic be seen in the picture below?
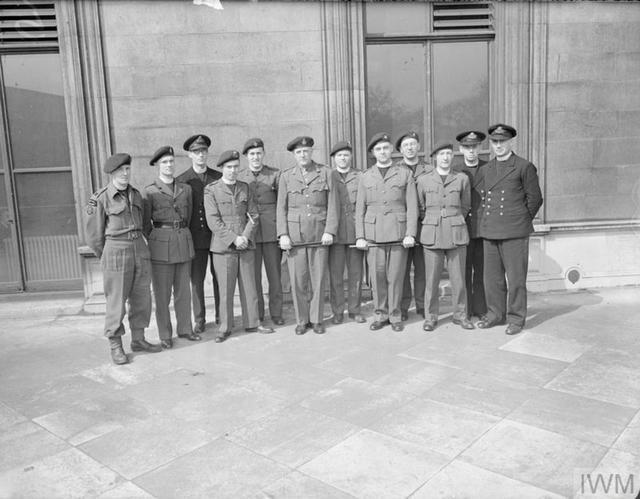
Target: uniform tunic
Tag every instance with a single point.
(232, 212)
(167, 213)
(340, 253)
(308, 206)
(510, 198)
(444, 235)
(264, 188)
(387, 212)
(201, 241)
(113, 226)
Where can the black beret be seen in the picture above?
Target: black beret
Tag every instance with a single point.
(341, 146)
(470, 138)
(378, 137)
(251, 143)
(301, 141)
(226, 156)
(163, 151)
(116, 161)
(440, 147)
(501, 131)
(197, 142)
(407, 135)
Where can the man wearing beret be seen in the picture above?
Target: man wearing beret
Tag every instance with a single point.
(232, 216)
(510, 198)
(470, 163)
(114, 232)
(445, 199)
(340, 253)
(198, 176)
(386, 225)
(307, 217)
(408, 144)
(167, 211)
(263, 182)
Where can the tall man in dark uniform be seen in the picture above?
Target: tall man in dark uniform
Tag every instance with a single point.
(510, 198)
(340, 253)
(263, 182)
(307, 218)
(469, 145)
(167, 211)
(232, 216)
(114, 232)
(386, 218)
(198, 176)
(408, 144)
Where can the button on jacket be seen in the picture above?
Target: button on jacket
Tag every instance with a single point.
(348, 193)
(264, 187)
(445, 206)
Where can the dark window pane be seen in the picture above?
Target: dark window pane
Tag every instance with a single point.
(35, 109)
(460, 88)
(9, 263)
(395, 89)
(399, 18)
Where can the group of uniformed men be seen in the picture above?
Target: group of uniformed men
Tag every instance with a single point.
(476, 216)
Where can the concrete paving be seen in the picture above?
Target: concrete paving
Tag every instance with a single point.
(552, 412)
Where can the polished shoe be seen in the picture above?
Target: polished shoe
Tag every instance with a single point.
(166, 344)
(337, 318)
(117, 352)
(429, 325)
(513, 329)
(190, 336)
(319, 328)
(199, 328)
(465, 323)
(359, 318)
(260, 329)
(221, 337)
(404, 315)
(397, 326)
(301, 328)
(144, 346)
(486, 323)
(420, 311)
(375, 325)
(278, 321)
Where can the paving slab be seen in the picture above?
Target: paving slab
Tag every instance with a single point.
(629, 440)
(296, 485)
(26, 442)
(548, 347)
(416, 377)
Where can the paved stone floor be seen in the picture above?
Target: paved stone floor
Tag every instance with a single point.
(552, 412)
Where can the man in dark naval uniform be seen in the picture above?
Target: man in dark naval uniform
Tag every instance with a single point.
(197, 177)
(470, 163)
(510, 198)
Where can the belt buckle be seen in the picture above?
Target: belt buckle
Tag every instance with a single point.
(176, 224)
(133, 234)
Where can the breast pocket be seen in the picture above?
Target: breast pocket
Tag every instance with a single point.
(318, 194)
(159, 245)
(459, 232)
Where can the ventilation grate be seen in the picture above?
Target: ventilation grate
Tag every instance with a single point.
(454, 16)
(28, 24)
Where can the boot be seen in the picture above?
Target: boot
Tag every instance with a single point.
(117, 353)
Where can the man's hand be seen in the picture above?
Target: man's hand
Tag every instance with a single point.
(241, 243)
(327, 239)
(408, 242)
(285, 243)
(361, 244)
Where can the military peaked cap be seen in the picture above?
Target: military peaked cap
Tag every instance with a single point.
(501, 131)
(197, 142)
(470, 138)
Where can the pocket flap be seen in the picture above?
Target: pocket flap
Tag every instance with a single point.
(430, 220)
(457, 220)
(293, 217)
(370, 217)
(160, 235)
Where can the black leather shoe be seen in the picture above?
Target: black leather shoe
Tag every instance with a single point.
(337, 318)
(397, 326)
(513, 329)
(429, 325)
(259, 329)
(319, 328)
(166, 344)
(359, 318)
(190, 336)
(486, 323)
(222, 337)
(404, 315)
(278, 321)
(199, 328)
(301, 329)
(420, 311)
(465, 323)
(375, 325)
(144, 346)
(117, 352)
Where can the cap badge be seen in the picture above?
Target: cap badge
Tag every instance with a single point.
(472, 136)
(499, 130)
(304, 142)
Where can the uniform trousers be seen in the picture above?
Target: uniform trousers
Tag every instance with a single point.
(168, 277)
(271, 254)
(307, 269)
(510, 258)
(339, 255)
(387, 265)
(415, 257)
(476, 303)
(434, 260)
(231, 268)
(126, 268)
(198, 274)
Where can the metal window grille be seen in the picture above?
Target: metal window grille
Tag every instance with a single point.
(462, 17)
(28, 24)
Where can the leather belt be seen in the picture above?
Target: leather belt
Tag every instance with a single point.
(176, 224)
(132, 234)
